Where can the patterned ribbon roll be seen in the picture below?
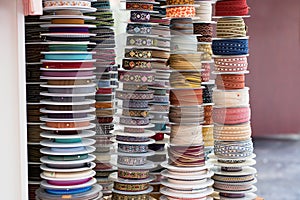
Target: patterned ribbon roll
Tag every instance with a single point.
(231, 28)
(139, 29)
(116, 196)
(135, 104)
(230, 81)
(127, 148)
(134, 130)
(139, 16)
(137, 65)
(231, 64)
(207, 51)
(186, 156)
(131, 187)
(142, 41)
(205, 75)
(135, 77)
(135, 87)
(232, 133)
(180, 2)
(129, 95)
(231, 115)
(138, 53)
(232, 149)
(205, 29)
(132, 139)
(181, 12)
(185, 80)
(208, 138)
(105, 119)
(134, 121)
(72, 3)
(233, 179)
(135, 113)
(133, 174)
(139, 6)
(231, 8)
(232, 187)
(208, 115)
(104, 129)
(207, 93)
(132, 161)
(230, 47)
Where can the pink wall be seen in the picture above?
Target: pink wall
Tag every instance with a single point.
(274, 80)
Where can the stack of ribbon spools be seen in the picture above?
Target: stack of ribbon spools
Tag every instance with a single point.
(233, 149)
(159, 107)
(68, 69)
(34, 45)
(187, 175)
(204, 26)
(106, 79)
(143, 48)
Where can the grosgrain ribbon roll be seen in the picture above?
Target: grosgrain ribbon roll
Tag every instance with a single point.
(230, 81)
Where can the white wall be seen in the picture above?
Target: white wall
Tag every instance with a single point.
(13, 170)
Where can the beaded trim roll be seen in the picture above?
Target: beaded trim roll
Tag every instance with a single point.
(132, 148)
(138, 6)
(140, 16)
(137, 65)
(232, 149)
(133, 174)
(181, 12)
(231, 28)
(230, 47)
(132, 161)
